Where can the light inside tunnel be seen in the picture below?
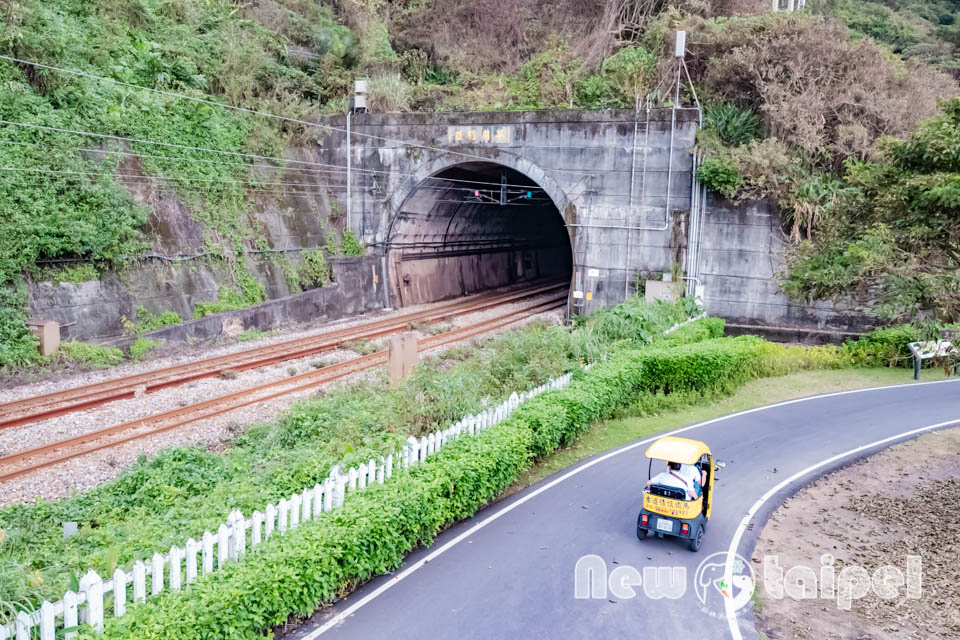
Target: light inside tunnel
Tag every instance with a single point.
(472, 227)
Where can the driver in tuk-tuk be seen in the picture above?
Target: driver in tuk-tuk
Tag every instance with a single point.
(681, 476)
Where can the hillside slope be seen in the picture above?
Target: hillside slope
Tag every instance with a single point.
(74, 204)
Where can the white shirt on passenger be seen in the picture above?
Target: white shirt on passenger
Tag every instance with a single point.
(677, 480)
(691, 473)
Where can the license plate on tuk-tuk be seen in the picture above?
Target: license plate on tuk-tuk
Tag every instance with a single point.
(664, 525)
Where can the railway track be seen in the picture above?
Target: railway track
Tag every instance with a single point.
(24, 462)
(52, 405)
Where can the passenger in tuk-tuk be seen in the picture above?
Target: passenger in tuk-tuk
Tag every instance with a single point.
(686, 477)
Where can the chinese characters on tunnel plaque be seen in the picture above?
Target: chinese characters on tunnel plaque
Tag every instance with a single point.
(477, 135)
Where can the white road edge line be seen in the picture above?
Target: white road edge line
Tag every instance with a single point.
(731, 613)
(343, 615)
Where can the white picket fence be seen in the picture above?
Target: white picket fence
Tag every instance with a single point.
(239, 535)
(677, 325)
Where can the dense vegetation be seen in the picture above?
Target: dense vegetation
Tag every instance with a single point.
(370, 535)
(801, 112)
(58, 193)
(893, 235)
(928, 31)
(789, 99)
(183, 491)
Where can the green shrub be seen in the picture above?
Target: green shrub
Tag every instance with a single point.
(623, 76)
(147, 321)
(18, 588)
(721, 174)
(18, 347)
(887, 347)
(350, 245)
(733, 125)
(250, 292)
(371, 533)
(91, 355)
(140, 348)
(314, 272)
(703, 329)
(332, 244)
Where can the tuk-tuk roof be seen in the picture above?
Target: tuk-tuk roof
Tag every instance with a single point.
(673, 449)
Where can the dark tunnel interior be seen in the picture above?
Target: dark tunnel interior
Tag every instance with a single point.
(472, 227)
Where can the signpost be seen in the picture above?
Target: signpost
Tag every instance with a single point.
(931, 349)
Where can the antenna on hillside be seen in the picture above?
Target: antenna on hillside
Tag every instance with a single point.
(680, 53)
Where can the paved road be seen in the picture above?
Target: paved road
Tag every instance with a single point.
(509, 572)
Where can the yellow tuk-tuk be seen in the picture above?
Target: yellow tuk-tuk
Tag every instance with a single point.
(666, 507)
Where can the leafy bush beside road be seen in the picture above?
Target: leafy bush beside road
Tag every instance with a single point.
(184, 491)
(322, 559)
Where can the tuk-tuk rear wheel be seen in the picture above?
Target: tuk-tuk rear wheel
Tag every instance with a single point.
(697, 540)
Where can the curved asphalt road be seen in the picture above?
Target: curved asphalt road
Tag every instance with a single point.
(513, 577)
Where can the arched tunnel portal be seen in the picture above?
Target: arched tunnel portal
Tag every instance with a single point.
(475, 226)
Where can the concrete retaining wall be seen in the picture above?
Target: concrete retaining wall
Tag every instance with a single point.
(354, 292)
(743, 252)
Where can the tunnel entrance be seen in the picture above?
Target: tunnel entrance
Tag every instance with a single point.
(471, 227)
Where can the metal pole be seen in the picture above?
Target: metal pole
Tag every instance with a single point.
(673, 128)
(633, 179)
(633, 161)
(349, 163)
(692, 222)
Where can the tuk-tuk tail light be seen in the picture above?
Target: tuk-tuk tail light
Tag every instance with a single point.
(685, 529)
(643, 520)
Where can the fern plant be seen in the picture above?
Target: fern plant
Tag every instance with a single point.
(733, 125)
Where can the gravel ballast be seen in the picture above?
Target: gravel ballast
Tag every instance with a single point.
(98, 467)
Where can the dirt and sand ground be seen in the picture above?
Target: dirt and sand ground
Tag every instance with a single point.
(901, 502)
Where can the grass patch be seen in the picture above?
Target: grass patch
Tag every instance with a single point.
(428, 328)
(90, 355)
(363, 347)
(144, 321)
(141, 347)
(251, 334)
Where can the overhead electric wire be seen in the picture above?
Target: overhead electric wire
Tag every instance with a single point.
(147, 179)
(283, 161)
(262, 114)
(329, 169)
(303, 190)
(214, 103)
(297, 189)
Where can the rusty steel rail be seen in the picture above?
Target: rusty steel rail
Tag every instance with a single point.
(52, 405)
(24, 462)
